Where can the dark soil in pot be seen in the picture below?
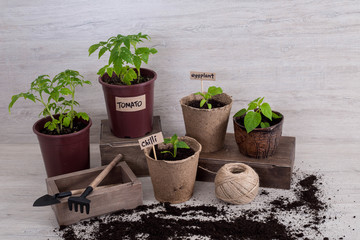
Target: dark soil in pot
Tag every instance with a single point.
(182, 153)
(213, 102)
(78, 126)
(115, 80)
(240, 121)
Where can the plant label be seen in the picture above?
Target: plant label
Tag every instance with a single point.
(208, 76)
(130, 104)
(151, 140)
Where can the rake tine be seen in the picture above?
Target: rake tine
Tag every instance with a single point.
(70, 205)
(82, 200)
(87, 208)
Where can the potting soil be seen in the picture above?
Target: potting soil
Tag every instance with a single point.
(275, 217)
(214, 104)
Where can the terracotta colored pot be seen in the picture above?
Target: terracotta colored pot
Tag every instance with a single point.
(208, 126)
(64, 153)
(130, 108)
(259, 143)
(174, 181)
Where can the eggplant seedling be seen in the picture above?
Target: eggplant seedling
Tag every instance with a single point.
(176, 144)
(212, 91)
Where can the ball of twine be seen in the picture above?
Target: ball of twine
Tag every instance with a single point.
(236, 183)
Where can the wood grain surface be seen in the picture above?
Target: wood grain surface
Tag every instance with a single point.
(303, 56)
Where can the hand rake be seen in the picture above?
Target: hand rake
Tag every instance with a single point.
(82, 201)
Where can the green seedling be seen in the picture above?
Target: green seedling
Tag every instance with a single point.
(123, 51)
(253, 118)
(176, 144)
(212, 91)
(57, 96)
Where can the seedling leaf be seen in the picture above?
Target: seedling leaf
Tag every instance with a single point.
(266, 110)
(252, 120)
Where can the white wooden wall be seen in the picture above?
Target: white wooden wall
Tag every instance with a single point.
(303, 56)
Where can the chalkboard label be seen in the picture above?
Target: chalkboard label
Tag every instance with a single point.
(208, 76)
(130, 104)
(151, 140)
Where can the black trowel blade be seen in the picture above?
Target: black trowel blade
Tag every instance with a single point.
(45, 200)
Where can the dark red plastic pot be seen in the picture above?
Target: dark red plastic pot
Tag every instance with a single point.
(64, 153)
(130, 124)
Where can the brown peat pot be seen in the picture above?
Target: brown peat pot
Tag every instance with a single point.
(261, 142)
(173, 181)
(208, 126)
(64, 153)
(130, 107)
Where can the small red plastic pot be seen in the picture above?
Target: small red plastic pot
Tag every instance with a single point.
(64, 153)
(130, 107)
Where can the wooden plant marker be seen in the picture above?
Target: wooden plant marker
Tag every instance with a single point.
(151, 140)
(208, 76)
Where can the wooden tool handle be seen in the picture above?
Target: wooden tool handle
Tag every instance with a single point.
(80, 191)
(77, 191)
(105, 172)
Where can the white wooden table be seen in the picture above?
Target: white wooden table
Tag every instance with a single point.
(22, 175)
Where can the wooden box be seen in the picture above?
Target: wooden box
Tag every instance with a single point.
(274, 172)
(119, 190)
(110, 146)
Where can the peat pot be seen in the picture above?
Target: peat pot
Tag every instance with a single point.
(130, 107)
(261, 142)
(173, 181)
(208, 126)
(64, 153)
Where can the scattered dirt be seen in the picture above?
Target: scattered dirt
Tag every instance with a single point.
(213, 102)
(78, 125)
(115, 80)
(182, 153)
(267, 220)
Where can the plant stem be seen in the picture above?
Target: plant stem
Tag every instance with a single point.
(49, 112)
(72, 106)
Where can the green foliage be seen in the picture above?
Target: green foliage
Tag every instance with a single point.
(123, 51)
(176, 144)
(57, 97)
(253, 117)
(212, 91)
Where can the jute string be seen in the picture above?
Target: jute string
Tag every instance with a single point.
(236, 183)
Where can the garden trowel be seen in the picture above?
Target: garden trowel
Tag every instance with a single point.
(47, 199)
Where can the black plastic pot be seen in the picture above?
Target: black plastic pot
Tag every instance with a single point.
(130, 108)
(64, 153)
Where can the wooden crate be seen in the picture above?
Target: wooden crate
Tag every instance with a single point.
(119, 190)
(110, 146)
(274, 172)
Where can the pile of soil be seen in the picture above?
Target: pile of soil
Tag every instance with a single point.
(115, 80)
(77, 126)
(182, 153)
(220, 221)
(213, 102)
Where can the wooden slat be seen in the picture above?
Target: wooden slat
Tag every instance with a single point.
(274, 172)
(111, 145)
